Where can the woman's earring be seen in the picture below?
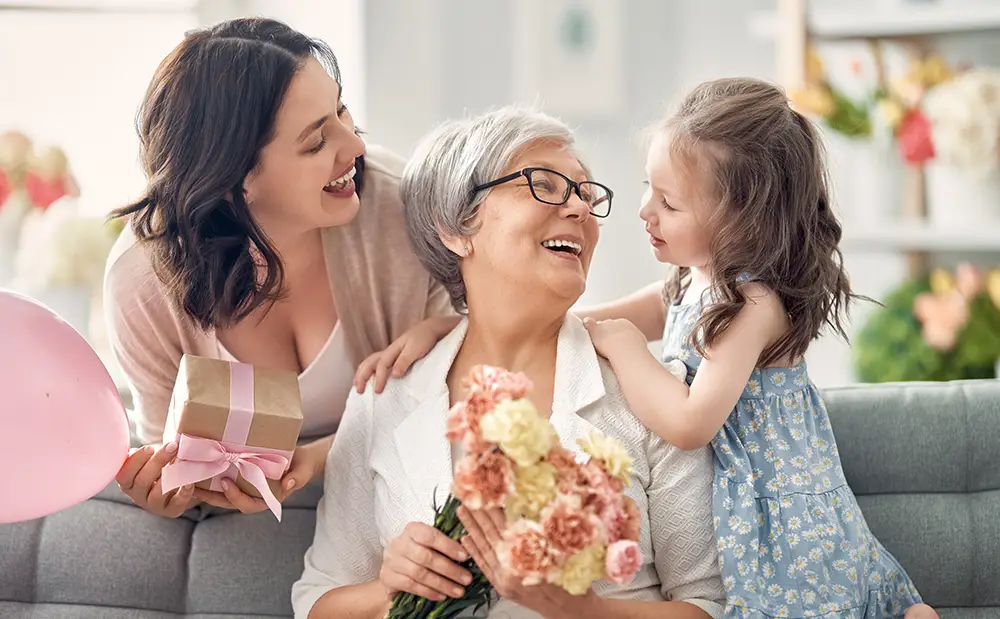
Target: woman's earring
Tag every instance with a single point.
(466, 251)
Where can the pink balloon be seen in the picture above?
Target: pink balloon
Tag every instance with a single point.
(63, 429)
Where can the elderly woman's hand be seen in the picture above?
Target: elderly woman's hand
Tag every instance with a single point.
(424, 561)
(485, 530)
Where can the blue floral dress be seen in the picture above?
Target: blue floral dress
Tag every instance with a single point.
(792, 540)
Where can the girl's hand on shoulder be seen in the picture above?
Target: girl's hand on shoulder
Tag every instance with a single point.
(615, 337)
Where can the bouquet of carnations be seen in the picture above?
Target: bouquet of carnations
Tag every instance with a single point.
(568, 523)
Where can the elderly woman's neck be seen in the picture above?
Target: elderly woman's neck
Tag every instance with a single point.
(517, 341)
(511, 341)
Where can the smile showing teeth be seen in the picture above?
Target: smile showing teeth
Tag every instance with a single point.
(571, 247)
(343, 179)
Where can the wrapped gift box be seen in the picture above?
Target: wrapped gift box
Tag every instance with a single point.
(232, 421)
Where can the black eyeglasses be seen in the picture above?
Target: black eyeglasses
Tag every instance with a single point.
(551, 187)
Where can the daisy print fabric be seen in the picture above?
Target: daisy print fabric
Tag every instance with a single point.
(792, 540)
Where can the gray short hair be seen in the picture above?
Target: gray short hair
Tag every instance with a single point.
(437, 183)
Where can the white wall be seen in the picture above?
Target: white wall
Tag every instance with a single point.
(432, 59)
(417, 77)
(75, 80)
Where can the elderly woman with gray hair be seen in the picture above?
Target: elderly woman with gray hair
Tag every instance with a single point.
(502, 212)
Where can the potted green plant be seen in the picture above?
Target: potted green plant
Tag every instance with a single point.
(938, 327)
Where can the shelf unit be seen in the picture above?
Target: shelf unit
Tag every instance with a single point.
(922, 237)
(794, 24)
(919, 20)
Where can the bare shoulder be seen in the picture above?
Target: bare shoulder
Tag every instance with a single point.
(764, 311)
(763, 302)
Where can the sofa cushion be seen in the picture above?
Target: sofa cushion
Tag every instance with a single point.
(107, 558)
(922, 458)
(924, 461)
(16, 610)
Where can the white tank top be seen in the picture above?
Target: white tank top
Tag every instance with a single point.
(324, 386)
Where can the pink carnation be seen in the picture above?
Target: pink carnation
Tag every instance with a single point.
(622, 561)
(464, 419)
(527, 552)
(613, 517)
(477, 406)
(632, 525)
(603, 495)
(621, 519)
(568, 527)
(567, 468)
(596, 479)
(595, 488)
(498, 384)
(457, 425)
(487, 386)
(483, 480)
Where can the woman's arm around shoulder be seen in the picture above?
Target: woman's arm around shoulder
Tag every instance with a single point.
(395, 360)
(144, 336)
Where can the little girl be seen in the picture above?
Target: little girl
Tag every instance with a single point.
(737, 201)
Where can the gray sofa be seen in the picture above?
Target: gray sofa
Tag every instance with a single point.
(924, 460)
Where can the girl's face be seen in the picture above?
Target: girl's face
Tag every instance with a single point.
(677, 206)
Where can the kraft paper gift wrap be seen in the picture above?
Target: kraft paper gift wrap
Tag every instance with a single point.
(232, 421)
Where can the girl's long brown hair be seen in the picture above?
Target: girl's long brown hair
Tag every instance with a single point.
(774, 221)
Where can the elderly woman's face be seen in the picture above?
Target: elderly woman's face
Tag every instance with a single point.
(530, 243)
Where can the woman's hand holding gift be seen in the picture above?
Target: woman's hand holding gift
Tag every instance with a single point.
(139, 478)
(307, 462)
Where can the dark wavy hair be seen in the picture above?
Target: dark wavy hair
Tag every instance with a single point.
(209, 110)
(774, 221)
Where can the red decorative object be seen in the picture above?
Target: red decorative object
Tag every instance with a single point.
(5, 188)
(43, 192)
(915, 143)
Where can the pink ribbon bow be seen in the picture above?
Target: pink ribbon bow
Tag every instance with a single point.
(202, 458)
